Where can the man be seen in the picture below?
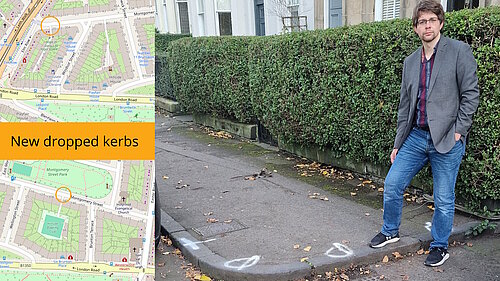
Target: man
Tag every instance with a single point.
(439, 95)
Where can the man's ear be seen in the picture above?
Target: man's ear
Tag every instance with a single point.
(415, 29)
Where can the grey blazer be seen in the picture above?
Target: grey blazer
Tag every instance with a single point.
(453, 94)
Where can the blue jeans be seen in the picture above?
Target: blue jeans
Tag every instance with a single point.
(415, 152)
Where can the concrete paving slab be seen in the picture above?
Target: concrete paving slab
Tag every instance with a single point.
(210, 184)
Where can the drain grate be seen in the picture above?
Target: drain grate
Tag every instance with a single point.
(219, 228)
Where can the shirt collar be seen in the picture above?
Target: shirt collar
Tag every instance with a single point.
(433, 53)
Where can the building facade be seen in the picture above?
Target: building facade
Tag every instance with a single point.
(270, 17)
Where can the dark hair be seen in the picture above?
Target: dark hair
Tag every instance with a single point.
(428, 6)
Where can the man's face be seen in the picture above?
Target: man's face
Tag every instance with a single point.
(428, 26)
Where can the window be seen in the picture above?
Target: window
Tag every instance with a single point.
(390, 9)
(224, 17)
(183, 17)
(455, 5)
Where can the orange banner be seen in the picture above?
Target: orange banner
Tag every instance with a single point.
(77, 141)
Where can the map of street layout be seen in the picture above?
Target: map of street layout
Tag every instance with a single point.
(77, 61)
(66, 220)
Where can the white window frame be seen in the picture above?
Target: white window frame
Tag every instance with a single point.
(217, 11)
(177, 13)
(379, 10)
(200, 6)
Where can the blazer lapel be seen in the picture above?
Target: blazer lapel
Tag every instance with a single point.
(438, 61)
(415, 74)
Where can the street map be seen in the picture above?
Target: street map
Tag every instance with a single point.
(77, 61)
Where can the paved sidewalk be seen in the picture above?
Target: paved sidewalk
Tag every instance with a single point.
(237, 226)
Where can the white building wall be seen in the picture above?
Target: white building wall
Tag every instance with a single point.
(242, 17)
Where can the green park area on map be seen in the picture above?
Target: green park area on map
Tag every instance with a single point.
(5, 6)
(50, 45)
(144, 90)
(80, 112)
(94, 60)
(150, 34)
(79, 178)
(52, 226)
(98, 2)
(8, 255)
(136, 181)
(65, 4)
(116, 237)
(68, 244)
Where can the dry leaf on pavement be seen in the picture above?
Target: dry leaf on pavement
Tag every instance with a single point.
(385, 259)
(228, 221)
(212, 220)
(304, 259)
(307, 249)
(438, 270)
(380, 189)
(161, 264)
(420, 252)
(296, 246)
(382, 277)
(469, 244)
(397, 255)
(344, 276)
(406, 278)
(202, 277)
(353, 193)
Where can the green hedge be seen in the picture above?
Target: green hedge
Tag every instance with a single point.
(210, 75)
(339, 89)
(163, 86)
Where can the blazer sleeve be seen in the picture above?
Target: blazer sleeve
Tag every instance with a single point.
(468, 87)
(403, 109)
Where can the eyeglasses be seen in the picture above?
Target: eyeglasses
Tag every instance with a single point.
(424, 22)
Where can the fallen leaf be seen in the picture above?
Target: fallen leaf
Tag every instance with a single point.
(344, 276)
(345, 241)
(165, 177)
(353, 193)
(367, 214)
(406, 278)
(160, 264)
(202, 277)
(420, 252)
(367, 182)
(177, 252)
(469, 244)
(382, 277)
(304, 259)
(250, 178)
(212, 220)
(307, 249)
(208, 214)
(426, 252)
(178, 207)
(438, 270)
(163, 275)
(324, 198)
(165, 253)
(397, 255)
(329, 274)
(385, 259)
(296, 246)
(380, 189)
(377, 265)
(228, 221)
(316, 194)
